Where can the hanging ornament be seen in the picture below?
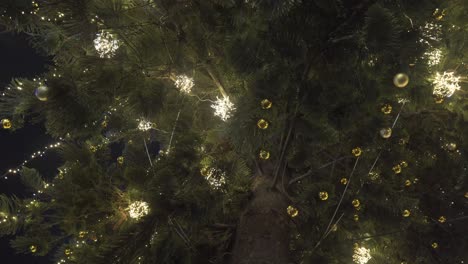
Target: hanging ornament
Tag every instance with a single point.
(434, 245)
(401, 80)
(33, 248)
(356, 151)
(466, 195)
(6, 123)
(264, 154)
(104, 124)
(262, 124)
(404, 164)
(292, 211)
(106, 44)
(406, 213)
(323, 196)
(407, 183)
(68, 251)
(386, 132)
(205, 171)
(451, 146)
(356, 217)
(356, 203)
(386, 109)
(442, 219)
(344, 181)
(42, 93)
(397, 169)
(266, 104)
(120, 160)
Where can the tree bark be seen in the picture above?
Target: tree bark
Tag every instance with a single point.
(262, 235)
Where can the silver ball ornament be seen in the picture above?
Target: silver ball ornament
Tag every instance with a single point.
(401, 80)
(42, 92)
(386, 132)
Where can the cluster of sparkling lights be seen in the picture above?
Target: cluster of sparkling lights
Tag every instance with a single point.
(445, 84)
(215, 177)
(223, 108)
(106, 44)
(433, 57)
(431, 31)
(145, 125)
(138, 209)
(361, 255)
(184, 83)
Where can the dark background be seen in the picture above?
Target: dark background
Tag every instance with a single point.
(18, 59)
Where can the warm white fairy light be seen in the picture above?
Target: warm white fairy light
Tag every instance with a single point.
(145, 125)
(433, 57)
(223, 108)
(215, 177)
(445, 84)
(106, 44)
(432, 32)
(361, 255)
(184, 83)
(138, 209)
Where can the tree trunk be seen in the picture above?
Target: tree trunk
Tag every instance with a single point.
(262, 235)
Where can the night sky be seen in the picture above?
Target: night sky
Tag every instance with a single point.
(17, 59)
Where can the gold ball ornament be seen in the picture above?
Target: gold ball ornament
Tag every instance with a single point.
(68, 251)
(344, 181)
(434, 245)
(292, 211)
(33, 248)
(262, 124)
(401, 80)
(397, 169)
(442, 219)
(42, 93)
(451, 146)
(386, 132)
(356, 203)
(407, 183)
(406, 213)
(357, 151)
(386, 109)
(356, 217)
(266, 104)
(6, 123)
(120, 160)
(264, 155)
(323, 195)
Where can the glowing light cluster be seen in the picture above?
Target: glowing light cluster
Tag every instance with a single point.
(223, 108)
(433, 57)
(445, 84)
(106, 44)
(215, 177)
(138, 209)
(145, 125)
(431, 31)
(184, 83)
(361, 255)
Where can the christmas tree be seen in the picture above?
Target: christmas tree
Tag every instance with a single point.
(243, 131)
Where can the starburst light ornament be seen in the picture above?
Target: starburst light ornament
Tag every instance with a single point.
(138, 209)
(145, 125)
(433, 57)
(106, 44)
(361, 255)
(223, 108)
(445, 84)
(184, 83)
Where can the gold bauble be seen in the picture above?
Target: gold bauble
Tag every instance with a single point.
(33, 248)
(204, 171)
(120, 160)
(68, 251)
(356, 151)
(356, 203)
(266, 104)
(386, 109)
(262, 124)
(6, 123)
(452, 146)
(323, 195)
(344, 181)
(104, 124)
(407, 183)
(264, 154)
(406, 213)
(292, 211)
(466, 195)
(401, 80)
(356, 217)
(434, 245)
(397, 169)
(386, 132)
(442, 219)
(82, 234)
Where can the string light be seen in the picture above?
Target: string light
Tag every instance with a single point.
(145, 125)
(138, 209)
(361, 255)
(433, 57)
(431, 31)
(215, 177)
(223, 108)
(106, 44)
(184, 83)
(445, 84)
